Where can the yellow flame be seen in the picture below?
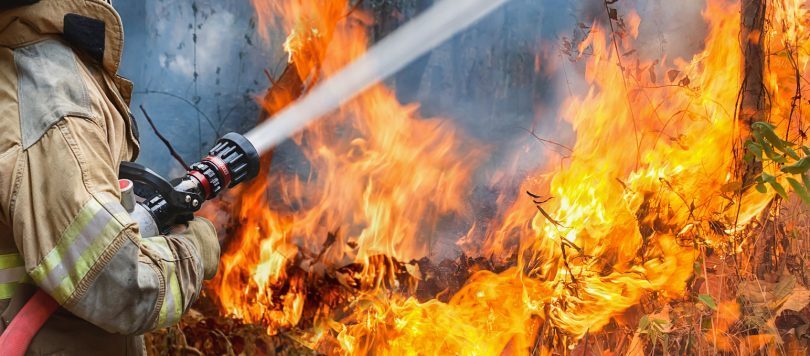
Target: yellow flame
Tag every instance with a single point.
(650, 173)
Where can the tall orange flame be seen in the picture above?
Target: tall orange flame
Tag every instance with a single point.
(379, 173)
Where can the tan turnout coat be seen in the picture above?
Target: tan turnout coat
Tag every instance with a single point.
(65, 127)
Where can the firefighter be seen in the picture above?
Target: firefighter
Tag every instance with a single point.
(65, 127)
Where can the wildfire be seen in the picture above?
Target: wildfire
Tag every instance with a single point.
(380, 175)
(649, 177)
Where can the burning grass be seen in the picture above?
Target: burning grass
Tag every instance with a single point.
(640, 242)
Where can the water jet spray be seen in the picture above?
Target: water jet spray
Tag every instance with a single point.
(414, 39)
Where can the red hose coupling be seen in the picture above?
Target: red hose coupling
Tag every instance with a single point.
(206, 185)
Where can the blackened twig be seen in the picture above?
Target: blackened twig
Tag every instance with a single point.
(166, 142)
(354, 8)
(269, 77)
(542, 140)
(624, 80)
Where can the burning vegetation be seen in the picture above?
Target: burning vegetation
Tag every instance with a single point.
(674, 223)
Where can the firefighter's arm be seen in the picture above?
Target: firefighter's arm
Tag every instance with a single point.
(81, 247)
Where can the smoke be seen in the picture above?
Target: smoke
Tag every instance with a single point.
(198, 67)
(503, 82)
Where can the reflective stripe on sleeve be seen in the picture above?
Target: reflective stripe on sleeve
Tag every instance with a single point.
(12, 273)
(81, 245)
(172, 307)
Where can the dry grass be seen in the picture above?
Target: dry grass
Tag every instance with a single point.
(744, 315)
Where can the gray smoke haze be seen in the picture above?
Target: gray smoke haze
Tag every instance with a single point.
(198, 66)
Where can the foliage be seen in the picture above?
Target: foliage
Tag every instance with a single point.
(708, 300)
(657, 327)
(792, 160)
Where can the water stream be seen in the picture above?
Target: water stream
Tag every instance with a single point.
(414, 39)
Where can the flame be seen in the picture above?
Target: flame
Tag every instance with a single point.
(380, 174)
(651, 175)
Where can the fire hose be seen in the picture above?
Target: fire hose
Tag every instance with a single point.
(157, 205)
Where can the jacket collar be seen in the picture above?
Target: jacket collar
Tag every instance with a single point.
(30, 24)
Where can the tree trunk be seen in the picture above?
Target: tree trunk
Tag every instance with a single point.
(752, 101)
(753, 108)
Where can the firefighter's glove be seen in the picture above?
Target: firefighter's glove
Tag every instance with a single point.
(204, 236)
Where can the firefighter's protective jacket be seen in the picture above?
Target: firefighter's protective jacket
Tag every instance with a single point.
(65, 127)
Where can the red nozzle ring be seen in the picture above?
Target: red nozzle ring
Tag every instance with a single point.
(222, 168)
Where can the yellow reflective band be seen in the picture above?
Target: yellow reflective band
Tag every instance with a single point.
(12, 273)
(11, 260)
(81, 245)
(7, 290)
(172, 307)
(159, 245)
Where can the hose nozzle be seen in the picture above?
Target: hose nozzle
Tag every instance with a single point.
(233, 160)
